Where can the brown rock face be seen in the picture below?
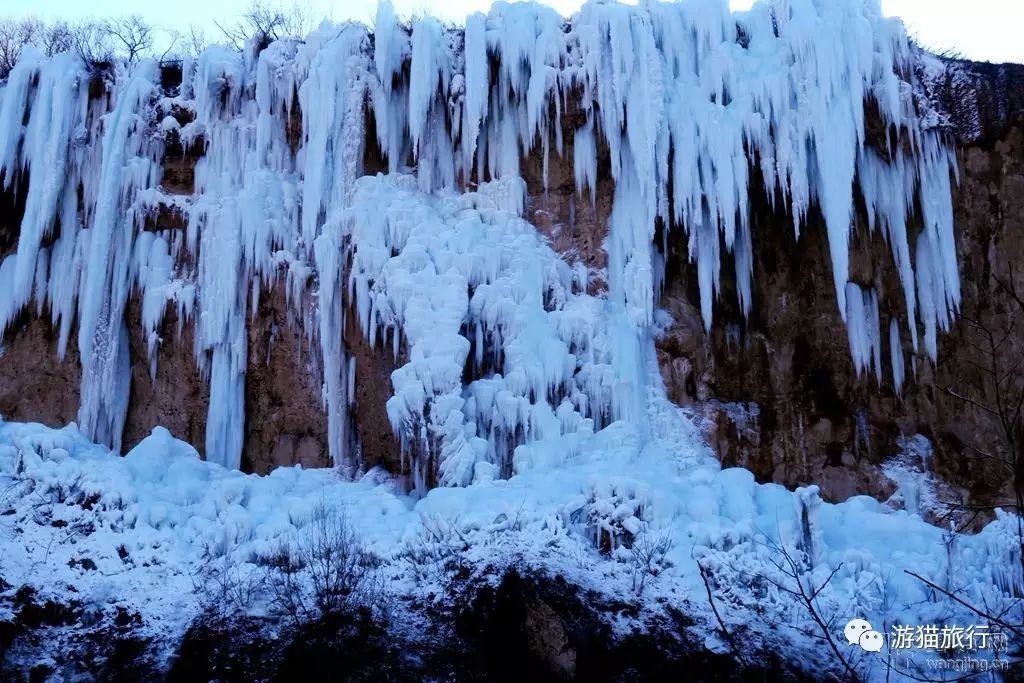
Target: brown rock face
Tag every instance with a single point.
(372, 385)
(779, 389)
(177, 396)
(34, 385)
(285, 423)
(576, 225)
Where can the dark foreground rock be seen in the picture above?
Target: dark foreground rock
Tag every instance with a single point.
(512, 628)
(45, 639)
(530, 628)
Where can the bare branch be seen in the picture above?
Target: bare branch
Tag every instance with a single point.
(967, 399)
(808, 600)
(721, 623)
(132, 35)
(92, 42)
(266, 22)
(1010, 288)
(815, 593)
(983, 615)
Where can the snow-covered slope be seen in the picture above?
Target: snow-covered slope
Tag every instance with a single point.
(686, 98)
(153, 523)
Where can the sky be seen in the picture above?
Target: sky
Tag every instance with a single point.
(984, 30)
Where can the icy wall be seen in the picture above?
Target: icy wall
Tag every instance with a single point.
(778, 388)
(501, 341)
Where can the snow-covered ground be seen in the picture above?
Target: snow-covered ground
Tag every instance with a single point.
(152, 520)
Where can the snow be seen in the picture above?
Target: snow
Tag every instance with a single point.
(917, 485)
(152, 520)
(530, 411)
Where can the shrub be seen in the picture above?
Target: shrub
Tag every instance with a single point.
(324, 572)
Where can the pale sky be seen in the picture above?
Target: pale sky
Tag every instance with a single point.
(988, 30)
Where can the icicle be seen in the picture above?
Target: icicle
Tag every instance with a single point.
(896, 354)
(388, 46)
(332, 120)
(57, 109)
(331, 317)
(863, 329)
(585, 160)
(425, 76)
(477, 86)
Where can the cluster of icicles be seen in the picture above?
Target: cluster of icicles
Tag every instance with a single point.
(686, 98)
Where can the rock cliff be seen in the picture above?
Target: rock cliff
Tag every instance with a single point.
(777, 390)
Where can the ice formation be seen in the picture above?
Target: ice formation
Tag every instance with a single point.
(503, 344)
(864, 329)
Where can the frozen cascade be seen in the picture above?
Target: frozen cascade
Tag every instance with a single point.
(59, 108)
(465, 283)
(90, 261)
(130, 163)
(332, 99)
(687, 99)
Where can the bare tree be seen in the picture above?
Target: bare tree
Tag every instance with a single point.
(649, 557)
(223, 588)
(324, 572)
(92, 41)
(182, 44)
(175, 46)
(705, 577)
(996, 388)
(266, 21)
(55, 38)
(793, 577)
(194, 40)
(806, 592)
(132, 35)
(14, 36)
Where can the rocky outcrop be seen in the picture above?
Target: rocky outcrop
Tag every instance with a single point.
(175, 396)
(285, 421)
(508, 627)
